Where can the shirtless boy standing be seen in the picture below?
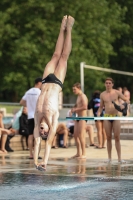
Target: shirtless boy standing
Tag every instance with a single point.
(80, 125)
(107, 97)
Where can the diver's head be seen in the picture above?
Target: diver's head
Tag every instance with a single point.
(43, 130)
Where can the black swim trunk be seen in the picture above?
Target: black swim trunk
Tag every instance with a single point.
(81, 119)
(51, 78)
(108, 115)
(71, 129)
(111, 121)
(31, 126)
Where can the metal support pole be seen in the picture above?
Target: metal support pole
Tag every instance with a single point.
(82, 75)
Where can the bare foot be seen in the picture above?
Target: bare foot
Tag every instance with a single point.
(122, 161)
(75, 156)
(64, 23)
(1, 152)
(98, 147)
(54, 147)
(81, 157)
(108, 161)
(70, 22)
(4, 151)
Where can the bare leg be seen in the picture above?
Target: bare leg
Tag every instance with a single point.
(103, 136)
(99, 133)
(37, 141)
(3, 142)
(116, 129)
(26, 138)
(22, 141)
(81, 135)
(50, 67)
(61, 68)
(108, 129)
(30, 145)
(65, 138)
(78, 145)
(54, 142)
(89, 129)
(77, 141)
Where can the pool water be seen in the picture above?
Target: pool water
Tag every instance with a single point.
(24, 186)
(7, 120)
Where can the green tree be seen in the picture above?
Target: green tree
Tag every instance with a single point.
(123, 47)
(29, 30)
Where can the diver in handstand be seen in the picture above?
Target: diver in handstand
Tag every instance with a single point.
(46, 114)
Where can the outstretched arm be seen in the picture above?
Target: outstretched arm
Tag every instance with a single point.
(37, 145)
(36, 150)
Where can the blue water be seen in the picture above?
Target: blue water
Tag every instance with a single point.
(31, 186)
(7, 120)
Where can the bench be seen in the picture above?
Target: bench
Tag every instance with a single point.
(16, 142)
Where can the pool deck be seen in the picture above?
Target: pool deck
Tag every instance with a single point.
(60, 162)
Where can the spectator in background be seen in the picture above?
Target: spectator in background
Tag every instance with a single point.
(90, 131)
(23, 128)
(120, 89)
(3, 134)
(30, 99)
(120, 100)
(70, 123)
(80, 125)
(62, 133)
(15, 127)
(126, 93)
(94, 105)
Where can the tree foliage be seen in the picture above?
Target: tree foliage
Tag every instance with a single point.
(29, 30)
(123, 47)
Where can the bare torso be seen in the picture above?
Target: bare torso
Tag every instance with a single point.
(47, 105)
(107, 98)
(81, 101)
